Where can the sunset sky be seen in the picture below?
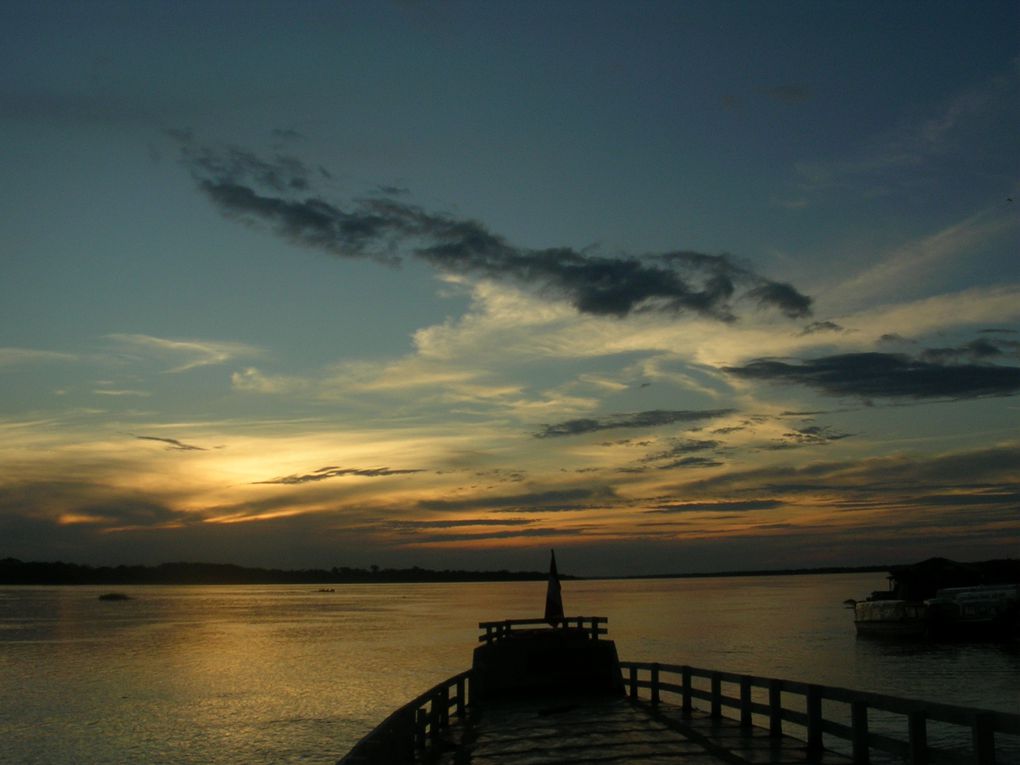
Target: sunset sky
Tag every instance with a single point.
(677, 286)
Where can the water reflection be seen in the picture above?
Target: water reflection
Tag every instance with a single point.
(278, 674)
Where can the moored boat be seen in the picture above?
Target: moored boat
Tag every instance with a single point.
(891, 618)
(942, 599)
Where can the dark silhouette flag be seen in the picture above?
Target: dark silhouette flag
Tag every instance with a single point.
(553, 598)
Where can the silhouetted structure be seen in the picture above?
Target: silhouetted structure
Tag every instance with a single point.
(536, 694)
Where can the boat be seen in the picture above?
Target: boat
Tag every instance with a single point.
(891, 618)
(944, 600)
(554, 690)
(984, 611)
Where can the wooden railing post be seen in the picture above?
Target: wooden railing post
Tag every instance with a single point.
(687, 707)
(745, 701)
(655, 684)
(814, 719)
(716, 695)
(420, 723)
(859, 724)
(633, 682)
(594, 628)
(775, 707)
(461, 694)
(918, 726)
(983, 736)
(405, 742)
(434, 718)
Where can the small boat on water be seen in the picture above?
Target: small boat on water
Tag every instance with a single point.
(942, 599)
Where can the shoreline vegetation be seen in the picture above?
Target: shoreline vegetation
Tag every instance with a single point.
(16, 572)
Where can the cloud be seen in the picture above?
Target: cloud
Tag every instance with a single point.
(679, 447)
(678, 455)
(690, 462)
(334, 472)
(975, 350)
(741, 506)
(917, 262)
(892, 478)
(277, 193)
(822, 326)
(964, 124)
(459, 523)
(811, 435)
(11, 356)
(554, 500)
(173, 443)
(650, 419)
(886, 375)
(185, 355)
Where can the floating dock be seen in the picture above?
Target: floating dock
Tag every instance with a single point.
(551, 696)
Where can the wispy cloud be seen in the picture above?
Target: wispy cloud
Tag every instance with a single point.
(185, 355)
(278, 193)
(173, 443)
(906, 266)
(742, 506)
(889, 158)
(335, 472)
(650, 419)
(12, 356)
(550, 501)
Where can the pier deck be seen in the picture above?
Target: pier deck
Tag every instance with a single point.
(615, 731)
(510, 709)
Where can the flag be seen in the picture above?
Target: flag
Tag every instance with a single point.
(553, 599)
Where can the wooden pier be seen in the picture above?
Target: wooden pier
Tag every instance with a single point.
(673, 714)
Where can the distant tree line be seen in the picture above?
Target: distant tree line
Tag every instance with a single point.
(13, 571)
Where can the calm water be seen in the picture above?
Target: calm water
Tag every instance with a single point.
(285, 674)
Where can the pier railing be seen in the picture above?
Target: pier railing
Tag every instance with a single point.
(715, 691)
(592, 626)
(415, 727)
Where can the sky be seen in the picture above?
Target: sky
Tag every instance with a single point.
(665, 286)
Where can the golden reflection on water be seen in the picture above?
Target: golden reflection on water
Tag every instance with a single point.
(286, 674)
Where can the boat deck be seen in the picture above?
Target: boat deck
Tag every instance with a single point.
(615, 731)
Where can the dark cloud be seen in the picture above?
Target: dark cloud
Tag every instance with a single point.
(173, 443)
(680, 446)
(676, 455)
(690, 462)
(506, 534)
(886, 375)
(335, 472)
(976, 350)
(980, 471)
(810, 435)
(704, 507)
(465, 522)
(822, 326)
(556, 500)
(650, 419)
(278, 193)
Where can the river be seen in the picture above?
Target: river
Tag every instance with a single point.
(223, 675)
